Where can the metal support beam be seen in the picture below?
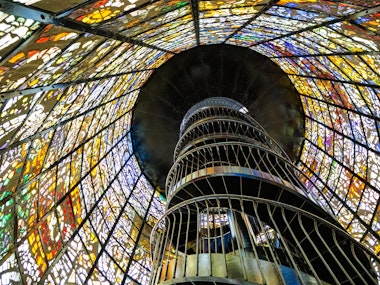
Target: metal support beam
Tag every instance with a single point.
(353, 19)
(366, 12)
(50, 18)
(21, 10)
(195, 13)
(79, 26)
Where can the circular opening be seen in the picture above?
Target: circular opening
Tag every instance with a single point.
(212, 71)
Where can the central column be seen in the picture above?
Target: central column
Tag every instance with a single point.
(237, 212)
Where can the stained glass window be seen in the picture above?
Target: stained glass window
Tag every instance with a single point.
(75, 206)
(13, 30)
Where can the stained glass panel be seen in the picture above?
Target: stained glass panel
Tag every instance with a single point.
(369, 22)
(216, 26)
(49, 44)
(70, 57)
(149, 18)
(330, 8)
(13, 30)
(298, 14)
(168, 36)
(356, 34)
(105, 10)
(74, 205)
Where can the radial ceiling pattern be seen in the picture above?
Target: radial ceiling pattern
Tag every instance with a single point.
(74, 205)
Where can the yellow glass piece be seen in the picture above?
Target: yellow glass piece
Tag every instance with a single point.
(36, 249)
(100, 15)
(17, 57)
(34, 82)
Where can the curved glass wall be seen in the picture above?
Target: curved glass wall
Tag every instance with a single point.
(74, 206)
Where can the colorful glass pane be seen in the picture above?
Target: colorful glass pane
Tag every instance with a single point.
(74, 205)
(148, 17)
(21, 65)
(13, 30)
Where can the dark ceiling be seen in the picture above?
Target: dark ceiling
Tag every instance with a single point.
(208, 71)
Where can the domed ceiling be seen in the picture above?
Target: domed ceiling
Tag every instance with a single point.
(75, 206)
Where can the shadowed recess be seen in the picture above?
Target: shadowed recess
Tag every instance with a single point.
(208, 71)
